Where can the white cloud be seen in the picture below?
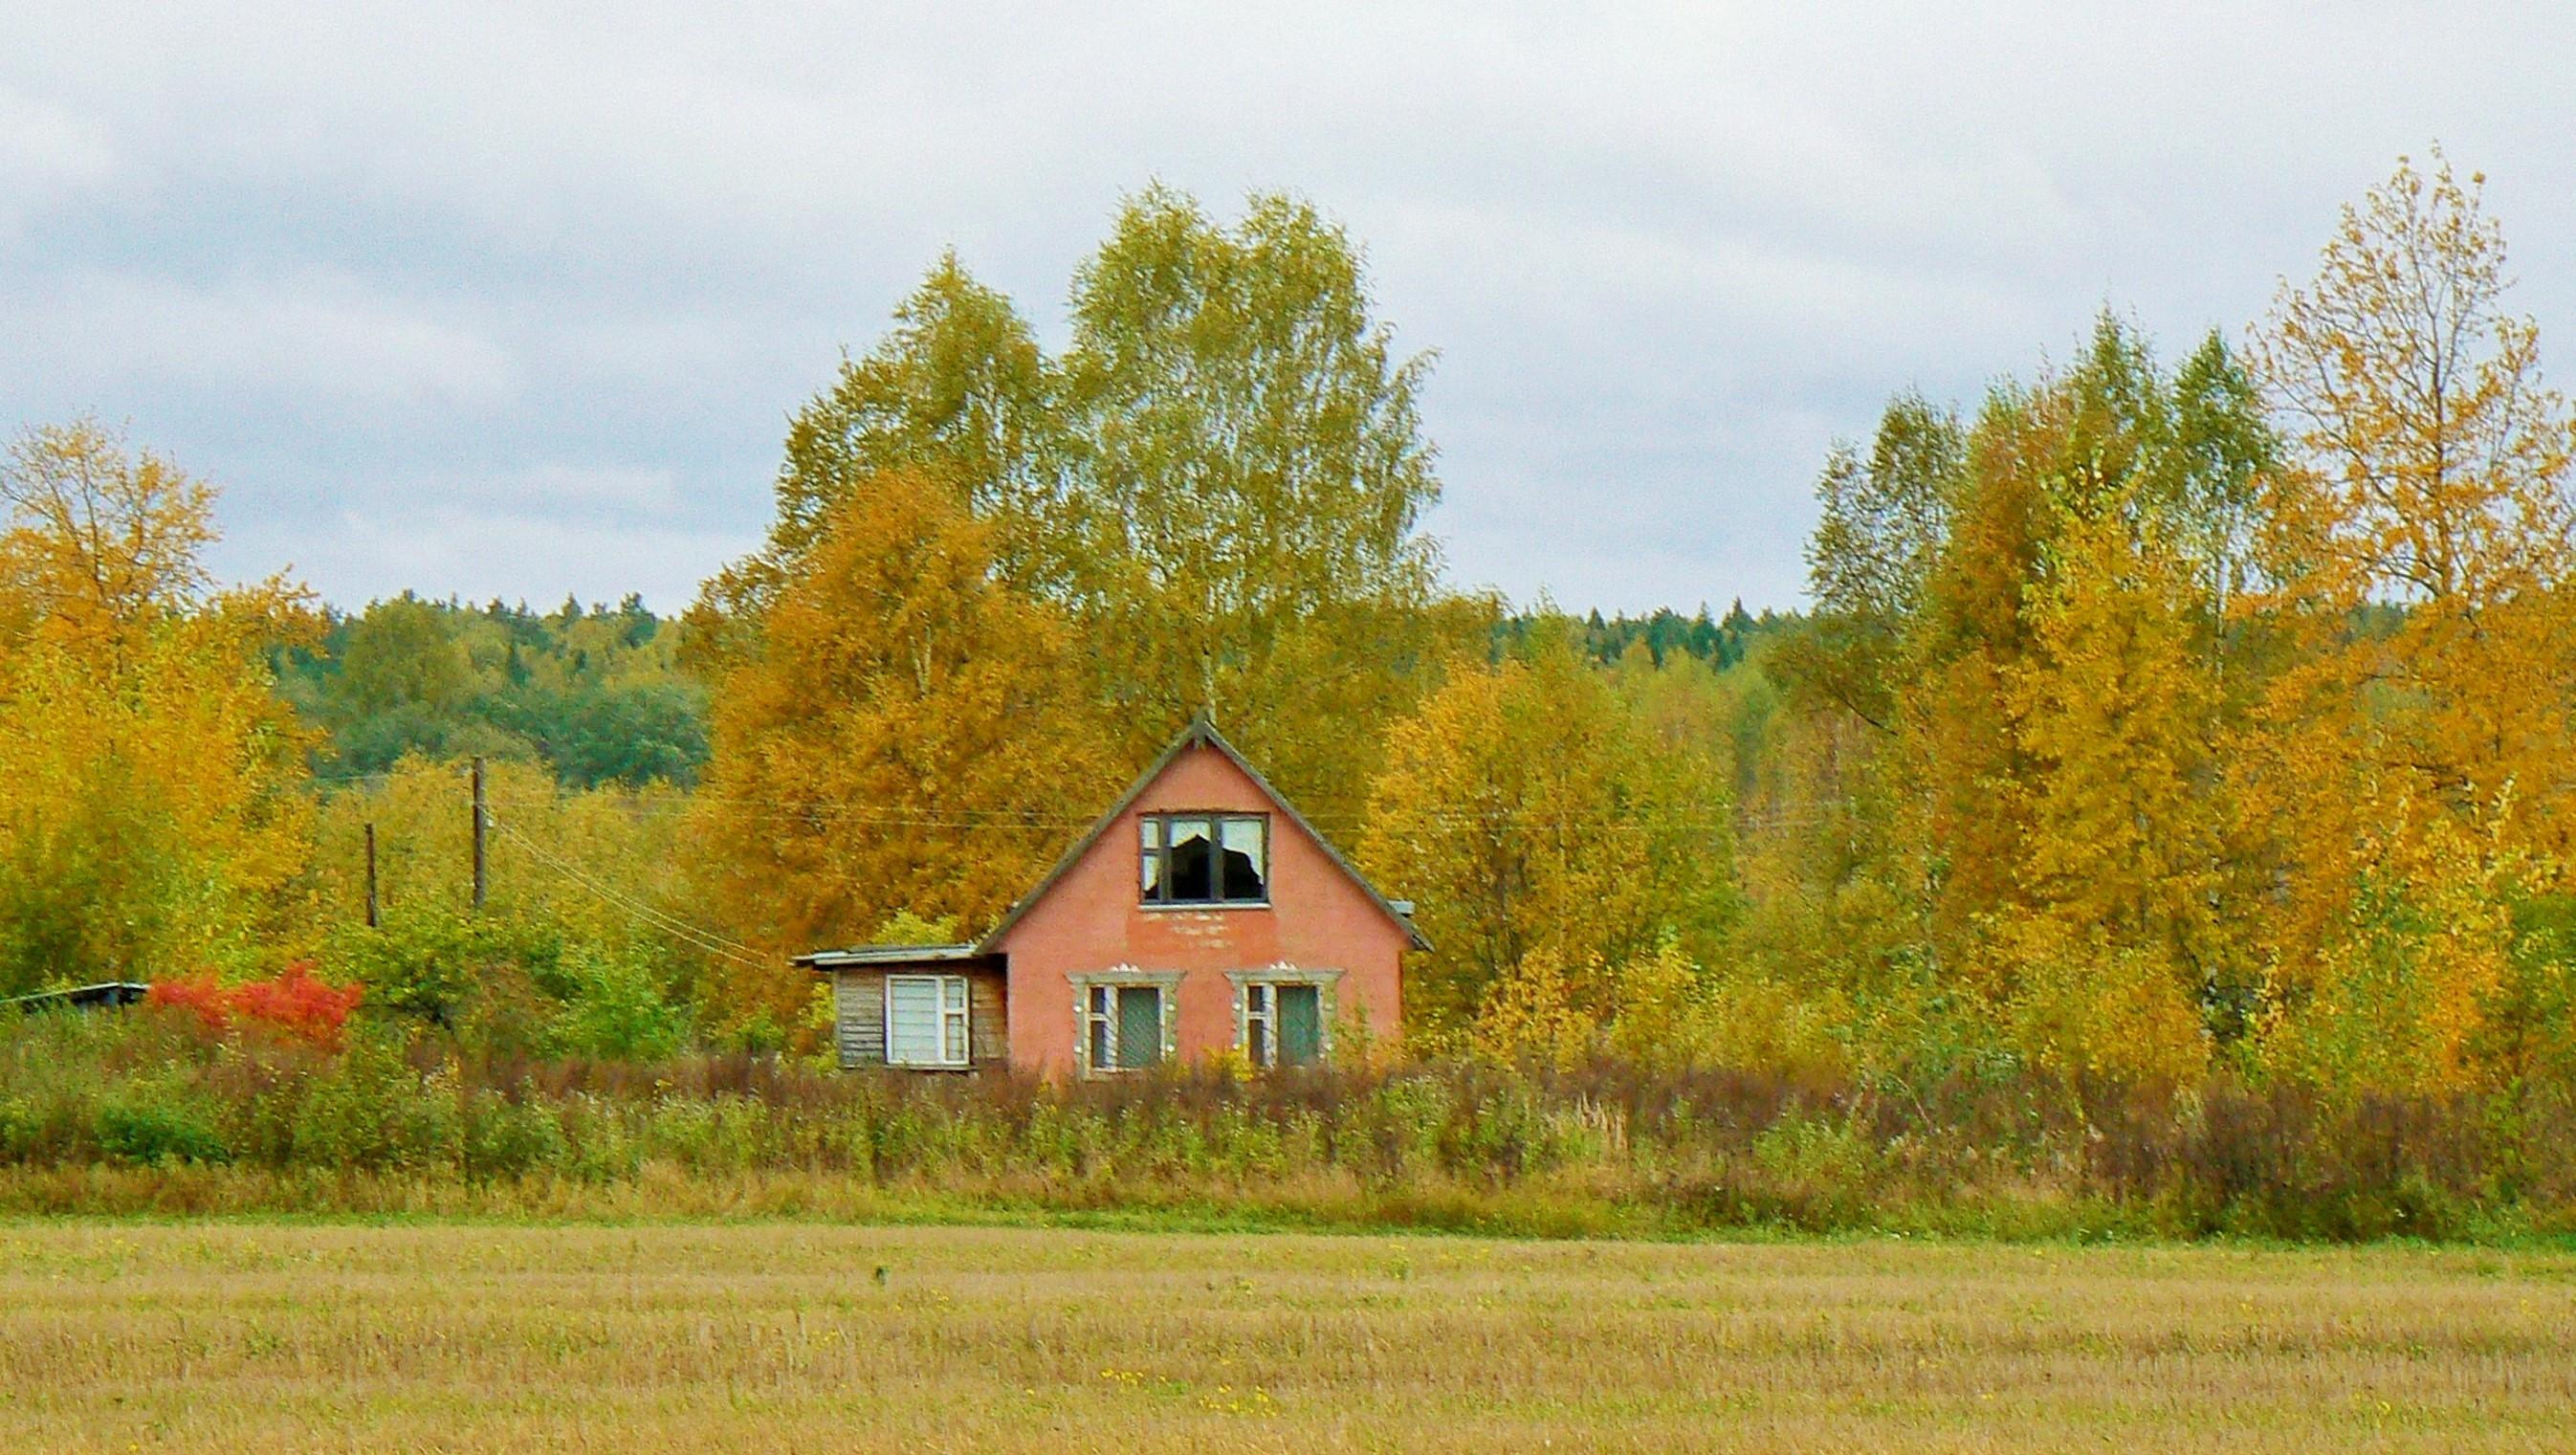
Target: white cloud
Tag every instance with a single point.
(630, 493)
(311, 340)
(47, 155)
(576, 266)
(479, 554)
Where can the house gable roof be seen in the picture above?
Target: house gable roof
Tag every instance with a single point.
(1200, 733)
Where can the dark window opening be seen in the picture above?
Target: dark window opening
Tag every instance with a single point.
(1204, 858)
(1190, 878)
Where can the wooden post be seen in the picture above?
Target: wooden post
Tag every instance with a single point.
(371, 876)
(479, 818)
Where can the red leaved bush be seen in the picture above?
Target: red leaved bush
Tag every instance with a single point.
(294, 1001)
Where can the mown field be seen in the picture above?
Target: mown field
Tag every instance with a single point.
(257, 1337)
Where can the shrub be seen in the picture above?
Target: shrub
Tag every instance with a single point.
(294, 1002)
(149, 1131)
(1816, 1172)
(20, 1129)
(370, 1111)
(615, 1007)
(504, 1138)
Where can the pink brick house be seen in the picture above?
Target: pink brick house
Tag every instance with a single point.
(1201, 914)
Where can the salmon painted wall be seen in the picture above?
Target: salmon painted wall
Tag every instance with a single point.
(1317, 919)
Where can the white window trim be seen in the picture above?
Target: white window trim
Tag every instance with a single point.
(1327, 984)
(1168, 982)
(963, 1012)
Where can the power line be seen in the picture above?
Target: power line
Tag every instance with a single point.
(704, 939)
(679, 929)
(788, 810)
(791, 811)
(1023, 823)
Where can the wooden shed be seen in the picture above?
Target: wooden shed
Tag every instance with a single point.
(944, 1001)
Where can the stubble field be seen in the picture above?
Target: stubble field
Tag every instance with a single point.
(252, 1338)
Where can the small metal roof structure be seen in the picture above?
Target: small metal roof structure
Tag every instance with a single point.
(107, 993)
(1200, 733)
(890, 955)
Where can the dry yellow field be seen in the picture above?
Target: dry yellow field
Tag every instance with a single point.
(253, 1338)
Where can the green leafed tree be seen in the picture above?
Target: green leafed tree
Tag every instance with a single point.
(958, 393)
(1882, 523)
(1248, 445)
(1220, 483)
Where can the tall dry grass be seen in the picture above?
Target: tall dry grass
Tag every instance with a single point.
(150, 1113)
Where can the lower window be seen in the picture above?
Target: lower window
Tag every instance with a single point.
(925, 1020)
(1123, 1028)
(1283, 1023)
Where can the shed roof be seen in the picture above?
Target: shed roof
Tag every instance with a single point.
(858, 955)
(83, 997)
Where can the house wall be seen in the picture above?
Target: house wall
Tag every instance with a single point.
(858, 1012)
(1317, 920)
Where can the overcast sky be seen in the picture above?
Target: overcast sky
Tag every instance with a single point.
(514, 299)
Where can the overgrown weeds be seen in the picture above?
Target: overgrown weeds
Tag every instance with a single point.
(155, 1110)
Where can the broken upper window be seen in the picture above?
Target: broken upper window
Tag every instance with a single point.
(1205, 858)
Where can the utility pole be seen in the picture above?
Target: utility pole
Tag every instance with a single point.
(371, 876)
(480, 820)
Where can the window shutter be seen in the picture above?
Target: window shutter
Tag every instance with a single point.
(1301, 1024)
(1140, 1026)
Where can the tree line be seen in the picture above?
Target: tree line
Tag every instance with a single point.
(595, 695)
(2152, 718)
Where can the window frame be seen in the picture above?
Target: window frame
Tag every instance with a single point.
(943, 1013)
(1260, 1012)
(1154, 845)
(1326, 983)
(1095, 1014)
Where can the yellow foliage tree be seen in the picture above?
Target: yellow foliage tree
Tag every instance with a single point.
(2083, 1002)
(152, 819)
(1529, 1014)
(1530, 813)
(2419, 551)
(102, 543)
(2402, 993)
(2116, 938)
(1959, 745)
(2417, 560)
(906, 735)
